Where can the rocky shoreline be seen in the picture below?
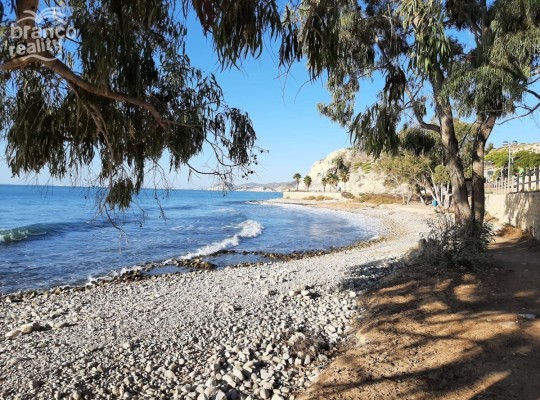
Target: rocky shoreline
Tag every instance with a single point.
(263, 331)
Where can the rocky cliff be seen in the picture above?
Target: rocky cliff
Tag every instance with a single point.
(361, 180)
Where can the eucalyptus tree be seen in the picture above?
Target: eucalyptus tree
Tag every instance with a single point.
(108, 84)
(427, 68)
(123, 91)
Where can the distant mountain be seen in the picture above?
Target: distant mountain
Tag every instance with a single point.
(260, 187)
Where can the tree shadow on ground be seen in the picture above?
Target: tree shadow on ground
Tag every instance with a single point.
(446, 336)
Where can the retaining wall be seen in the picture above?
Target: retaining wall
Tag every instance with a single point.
(518, 209)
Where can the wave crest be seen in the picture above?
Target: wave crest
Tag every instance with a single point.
(21, 233)
(248, 229)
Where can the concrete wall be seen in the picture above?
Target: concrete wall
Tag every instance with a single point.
(294, 195)
(518, 209)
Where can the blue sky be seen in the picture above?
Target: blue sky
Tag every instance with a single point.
(283, 110)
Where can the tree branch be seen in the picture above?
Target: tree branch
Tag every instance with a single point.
(26, 10)
(535, 94)
(419, 117)
(529, 112)
(65, 72)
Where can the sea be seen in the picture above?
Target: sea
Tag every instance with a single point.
(54, 236)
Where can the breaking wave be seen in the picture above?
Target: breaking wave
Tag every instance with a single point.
(248, 229)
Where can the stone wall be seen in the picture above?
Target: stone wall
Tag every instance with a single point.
(518, 209)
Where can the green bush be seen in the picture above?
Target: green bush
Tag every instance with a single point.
(366, 167)
(453, 245)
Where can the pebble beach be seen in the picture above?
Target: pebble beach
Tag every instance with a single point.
(257, 332)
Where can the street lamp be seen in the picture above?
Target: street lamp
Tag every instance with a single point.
(510, 144)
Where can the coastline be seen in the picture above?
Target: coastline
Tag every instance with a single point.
(263, 330)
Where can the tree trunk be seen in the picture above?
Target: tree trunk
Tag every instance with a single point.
(478, 191)
(462, 209)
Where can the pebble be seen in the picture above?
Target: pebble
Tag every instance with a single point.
(250, 333)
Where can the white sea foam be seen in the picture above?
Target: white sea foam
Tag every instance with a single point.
(248, 229)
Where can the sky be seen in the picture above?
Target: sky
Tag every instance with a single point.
(284, 113)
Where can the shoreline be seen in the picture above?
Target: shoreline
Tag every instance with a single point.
(178, 265)
(262, 330)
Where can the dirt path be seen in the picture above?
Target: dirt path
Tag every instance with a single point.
(450, 337)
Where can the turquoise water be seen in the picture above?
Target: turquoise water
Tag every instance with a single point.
(51, 236)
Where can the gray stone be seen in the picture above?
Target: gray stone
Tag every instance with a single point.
(60, 325)
(169, 374)
(237, 372)
(220, 395)
(29, 328)
(13, 334)
(35, 384)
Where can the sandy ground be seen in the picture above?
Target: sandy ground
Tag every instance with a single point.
(451, 336)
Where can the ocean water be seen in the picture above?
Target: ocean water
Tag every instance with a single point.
(51, 236)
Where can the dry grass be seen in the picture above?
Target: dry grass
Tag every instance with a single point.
(317, 198)
(377, 199)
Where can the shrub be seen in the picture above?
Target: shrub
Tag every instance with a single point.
(453, 245)
(347, 195)
(366, 167)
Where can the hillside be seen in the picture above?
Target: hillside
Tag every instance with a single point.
(361, 180)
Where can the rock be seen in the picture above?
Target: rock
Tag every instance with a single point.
(14, 361)
(35, 384)
(76, 395)
(13, 334)
(170, 374)
(265, 393)
(29, 328)
(126, 345)
(230, 380)
(529, 317)
(237, 372)
(210, 391)
(220, 395)
(296, 337)
(60, 325)
(266, 375)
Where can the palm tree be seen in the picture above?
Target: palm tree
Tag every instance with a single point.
(344, 177)
(307, 181)
(324, 182)
(297, 178)
(332, 179)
